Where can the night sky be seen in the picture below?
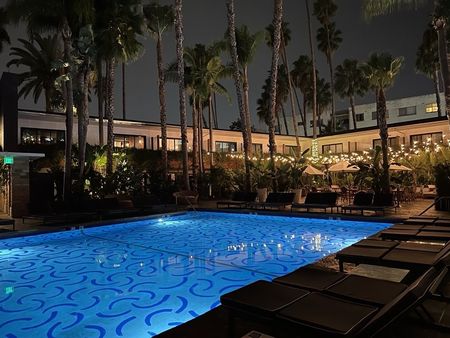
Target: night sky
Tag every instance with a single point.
(205, 21)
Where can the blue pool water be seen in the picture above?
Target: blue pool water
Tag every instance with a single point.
(141, 278)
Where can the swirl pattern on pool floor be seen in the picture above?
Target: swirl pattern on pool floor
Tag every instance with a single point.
(141, 278)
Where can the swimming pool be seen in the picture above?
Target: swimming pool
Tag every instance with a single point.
(141, 278)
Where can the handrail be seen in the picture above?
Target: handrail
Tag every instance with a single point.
(434, 203)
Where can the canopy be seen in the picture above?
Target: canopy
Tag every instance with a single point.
(344, 167)
(399, 167)
(310, 170)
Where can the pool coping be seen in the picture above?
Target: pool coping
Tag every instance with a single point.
(356, 218)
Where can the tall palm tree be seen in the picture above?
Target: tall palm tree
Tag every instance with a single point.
(182, 92)
(246, 56)
(277, 21)
(60, 16)
(40, 60)
(381, 70)
(159, 19)
(328, 38)
(427, 61)
(100, 86)
(350, 80)
(314, 78)
(440, 20)
(116, 45)
(301, 76)
(4, 36)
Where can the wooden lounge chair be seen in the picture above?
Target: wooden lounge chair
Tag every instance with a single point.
(368, 201)
(275, 200)
(318, 200)
(240, 199)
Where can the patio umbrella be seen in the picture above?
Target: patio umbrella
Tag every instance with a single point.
(399, 167)
(344, 167)
(312, 171)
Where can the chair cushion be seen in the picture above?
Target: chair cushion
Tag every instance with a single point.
(310, 278)
(262, 297)
(364, 252)
(328, 313)
(420, 246)
(414, 257)
(376, 243)
(371, 290)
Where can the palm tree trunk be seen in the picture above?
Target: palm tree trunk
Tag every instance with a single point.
(182, 90)
(194, 141)
(210, 116)
(83, 122)
(277, 21)
(330, 65)
(67, 39)
(48, 102)
(384, 136)
(291, 98)
(444, 59)
(110, 74)
(437, 92)
(352, 105)
(313, 60)
(200, 138)
(248, 122)
(100, 99)
(216, 122)
(244, 112)
(124, 92)
(162, 107)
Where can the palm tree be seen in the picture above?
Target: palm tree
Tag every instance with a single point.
(60, 16)
(314, 79)
(182, 92)
(350, 80)
(328, 38)
(243, 61)
(277, 21)
(301, 76)
(116, 45)
(427, 61)
(4, 36)
(381, 70)
(441, 16)
(285, 39)
(324, 99)
(40, 60)
(159, 20)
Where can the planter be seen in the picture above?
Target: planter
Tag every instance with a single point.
(298, 195)
(262, 194)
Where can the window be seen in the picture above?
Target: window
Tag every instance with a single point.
(173, 144)
(360, 117)
(226, 147)
(374, 115)
(422, 138)
(42, 136)
(333, 148)
(290, 150)
(431, 107)
(393, 142)
(318, 123)
(406, 111)
(352, 146)
(257, 148)
(129, 141)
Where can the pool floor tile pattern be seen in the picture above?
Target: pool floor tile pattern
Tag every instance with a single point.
(139, 279)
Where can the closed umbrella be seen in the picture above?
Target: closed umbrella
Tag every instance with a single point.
(312, 171)
(343, 167)
(399, 167)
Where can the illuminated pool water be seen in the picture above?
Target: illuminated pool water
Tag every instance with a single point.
(141, 278)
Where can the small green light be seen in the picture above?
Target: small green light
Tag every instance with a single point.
(8, 160)
(9, 289)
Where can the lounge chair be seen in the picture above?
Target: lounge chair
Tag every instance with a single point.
(275, 200)
(7, 222)
(318, 200)
(240, 199)
(351, 306)
(368, 201)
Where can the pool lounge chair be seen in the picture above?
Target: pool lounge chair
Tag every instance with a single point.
(275, 200)
(368, 201)
(7, 222)
(353, 305)
(240, 199)
(318, 200)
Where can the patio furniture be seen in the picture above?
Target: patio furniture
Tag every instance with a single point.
(7, 222)
(185, 197)
(368, 201)
(240, 199)
(429, 191)
(275, 200)
(318, 200)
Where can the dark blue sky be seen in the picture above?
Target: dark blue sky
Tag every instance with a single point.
(205, 21)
